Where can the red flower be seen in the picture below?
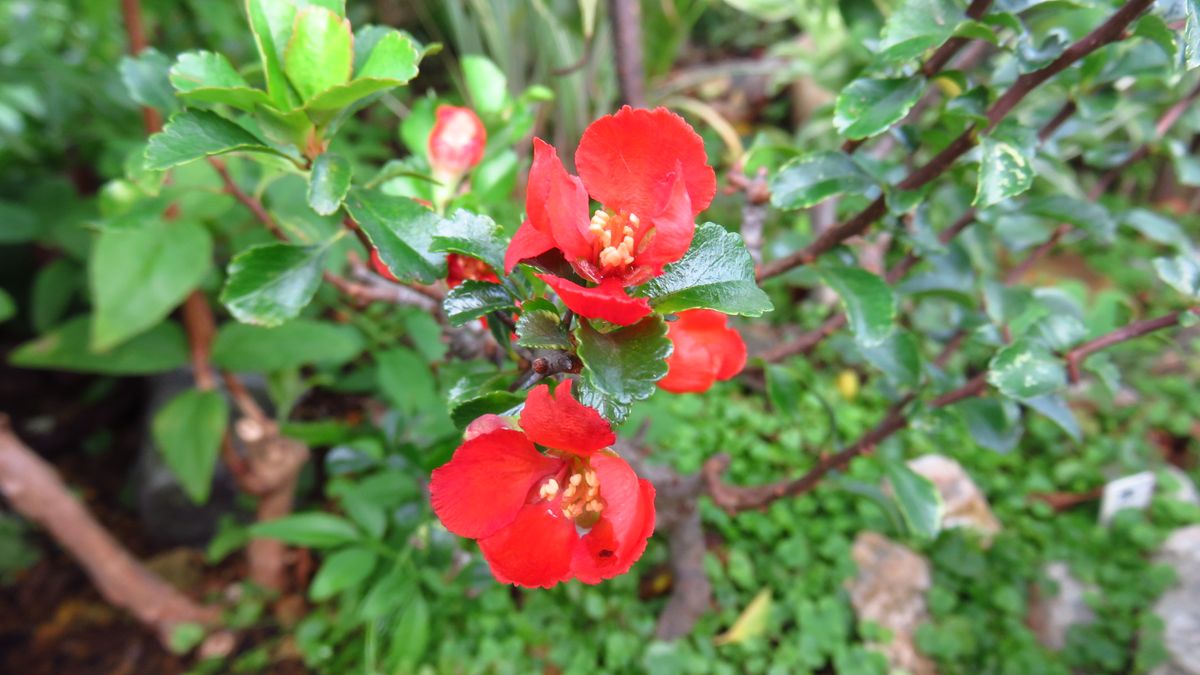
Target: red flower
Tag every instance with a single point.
(706, 350)
(457, 140)
(649, 170)
(576, 512)
(459, 268)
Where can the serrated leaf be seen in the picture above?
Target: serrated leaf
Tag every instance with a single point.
(869, 302)
(138, 276)
(919, 501)
(391, 63)
(472, 299)
(314, 529)
(342, 570)
(898, 357)
(159, 349)
(242, 347)
(188, 433)
(269, 284)
(145, 78)
(716, 273)
(205, 77)
(541, 328)
(1025, 369)
(196, 134)
(402, 231)
(1181, 272)
(993, 423)
(621, 366)
(811, 179)
(1004, 171)
(473, 235)
(320, 52)
(869, 106)
(1055, 408)
(329, 183)
(917, 25)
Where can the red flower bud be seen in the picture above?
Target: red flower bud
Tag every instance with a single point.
(457, 140)
(459, 268)
(706, 350)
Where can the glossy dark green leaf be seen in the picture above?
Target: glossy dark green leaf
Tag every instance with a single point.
(1055, 408)
(269, 284)
(541, 328)
(188, 433)
(1026, 369)
(917, 25)
(472, 299)
(918, 499)
(145, 78)
(811, 179)
(314, 529)
(402, 231)
(1004, 171)
(320, 52)
(205, 77)
(392, 63)
(196, 134)
(493, 402)
(473, 235)
(622, 366)
(329, 183)
(898, 357)
(716, 273)
(867, 299)
(162, 348)
(868, 106)
(993, 423)
(342, 570)
(138, 276)
(245, 348)
(1181, 272)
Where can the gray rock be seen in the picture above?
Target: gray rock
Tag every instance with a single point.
(1179, 607)
(889, 590)
(965, 504)
(1052, 615)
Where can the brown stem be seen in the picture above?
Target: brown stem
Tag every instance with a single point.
(34, 490)
(626, 18)
(1076, 356)
(254, 205)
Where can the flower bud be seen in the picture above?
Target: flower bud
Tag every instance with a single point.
(457, 141)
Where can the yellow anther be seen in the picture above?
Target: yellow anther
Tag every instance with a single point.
(549, 489)
(590, 477)
(576, 479)
(595, 506)
(634, 219)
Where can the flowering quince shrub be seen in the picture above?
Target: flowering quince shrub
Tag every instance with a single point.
(449, 356)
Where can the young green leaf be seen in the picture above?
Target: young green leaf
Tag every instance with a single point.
(391, 63)
(473, 235)
(245, 348)
(541, 328)
(320, 53)
(486, 84)
(159, 349)
(472, 299)
(622, 366)
(868, 106)
(867, 299)
(138, 276)
(205, 77)
(315, 529)
(717, 272)
(811, 179)
(402, 231)
(271, 21)
(342, 570)
(918, 499)
(1025, 369)
(196, 134)
(145, 78)
(188, 433)
(1004, 171)
(329, 183)
(269, 284)
(917, 25)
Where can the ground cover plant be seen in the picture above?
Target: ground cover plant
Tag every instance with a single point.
(675, 337)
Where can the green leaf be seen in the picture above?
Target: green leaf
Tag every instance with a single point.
(145, 78)
(717, 272)
(1055, 408)
(1158, 228)
(314, 529)
(541, 328)
(188, 433)
(1025, 369)
(329, 183)
(159, 349)
(405, 379)
(898, 357)
(472, 299)
(622, 366)
(138, 276)
(867, 299)
(205, 77)
(811, 179)
(486, 84)
(993, 423)
(269, 284)
(402, 231)
(392, 63)
(1191, 34)
(1181, 272)
(468, 410)
(196, 134)
(783, 390)
(17, 223)
(320, 53)
(868, 106)
(1086, 215)
(1004, 171)
(271, 21)
(8, 308)
(918, 499)
(389, 593)
(244, 348)
(473, 235)
(410, 637)
(917, 25)
(340, 571)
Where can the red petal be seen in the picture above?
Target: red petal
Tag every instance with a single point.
(625, 158)
(557, 204)
(528, 242)
(618, 539)
(706, 350)
(457, 141)
(487, 481)
(535, 550)
(562, 423)
(673, 226)
(485, 424)
(607, 301)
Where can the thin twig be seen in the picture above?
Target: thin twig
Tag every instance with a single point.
(626, 18)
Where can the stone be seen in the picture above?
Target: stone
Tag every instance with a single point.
(889, 590)
(964, 503)
(1052, 615)
(1179, 606)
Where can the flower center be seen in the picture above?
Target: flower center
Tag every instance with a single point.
(577, 489)
(614, 238)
